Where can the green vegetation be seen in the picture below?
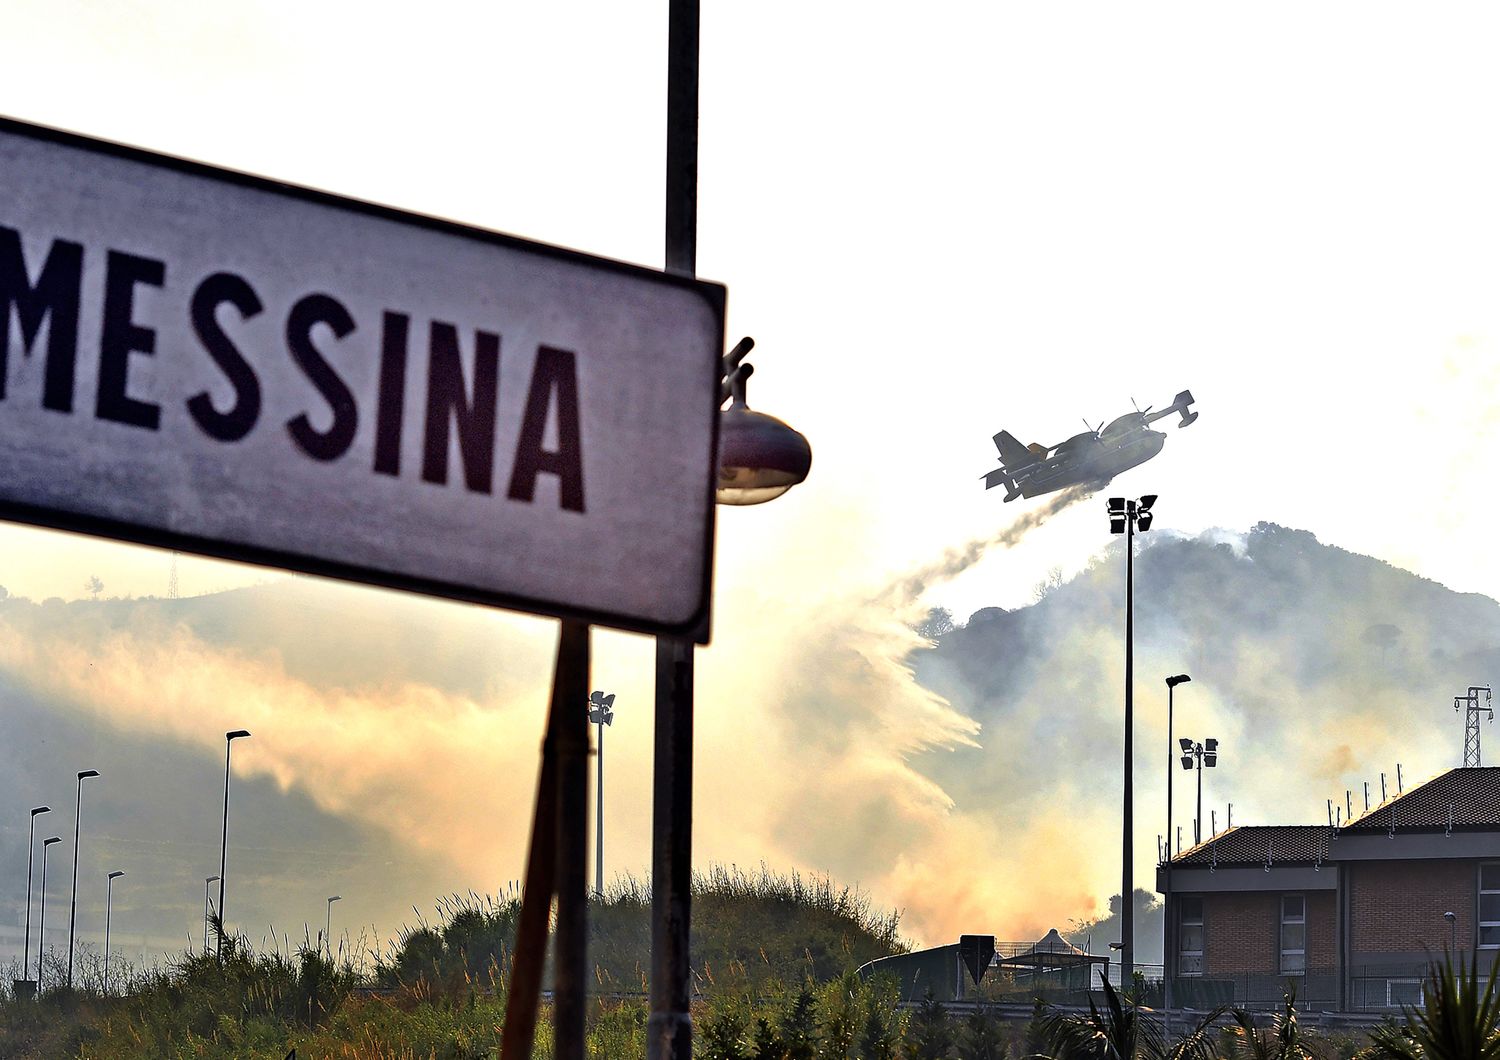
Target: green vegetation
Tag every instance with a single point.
(776, 981)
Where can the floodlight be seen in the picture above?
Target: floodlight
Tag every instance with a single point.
(1210, 745)
(1187, 745)
(1147, 501)
(1117, 526)
(1117, 506)
(1210, 760)
(1143, 520)
(1187, 761)
(609, 700)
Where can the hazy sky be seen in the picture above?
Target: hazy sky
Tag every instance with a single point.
(936, 224)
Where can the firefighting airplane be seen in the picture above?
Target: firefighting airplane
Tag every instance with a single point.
(1094, 457)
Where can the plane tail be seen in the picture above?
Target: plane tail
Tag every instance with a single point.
(1012, 453)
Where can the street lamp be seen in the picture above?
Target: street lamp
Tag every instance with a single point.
(601, 713)
(73, 907)
(229, 738)
(109, 902)
(1452, 919)
(1125, 517)
(30, 846)
(1201, 754)
(41, 927)
(1167, 935)
(328, 924)
(207, 909)
(760, 457)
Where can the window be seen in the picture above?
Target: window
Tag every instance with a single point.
(1293, 934)
(1489, 906)
(1190, 936)
(1399, 992)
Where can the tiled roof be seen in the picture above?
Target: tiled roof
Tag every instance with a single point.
(1253, 845)
(1472, 796)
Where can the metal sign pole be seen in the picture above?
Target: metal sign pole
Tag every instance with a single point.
(556, 856)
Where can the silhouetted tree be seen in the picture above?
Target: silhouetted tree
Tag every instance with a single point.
(939, 621)
(929, 1036)
(981, 1038)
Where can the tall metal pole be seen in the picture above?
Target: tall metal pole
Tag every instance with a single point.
(1168, 911)
(30, 847)
(73, 905)
(669, 1031)
(41, 928)
(599, 817)
(1127, 875)
(229, 738)
(1198, 820)
(207, 908)
(109, 905)
(328, 924)
(570, 967)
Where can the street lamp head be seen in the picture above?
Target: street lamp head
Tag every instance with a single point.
(236, 734)
(116, 874)
(210, 879)
(1450, 915)
(336, 898)
(88, 773)
(40, 809)
(1180, 679)
(53, 839)
(760, 456)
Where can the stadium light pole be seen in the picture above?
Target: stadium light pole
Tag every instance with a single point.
(1166, 920)
(229, 738)
(328, 924)
(1126, 517)
(41, 927)
(601, 713)
(30, 847)
(73, 906)
(109, 904)
(207, 908)
(1203, 754)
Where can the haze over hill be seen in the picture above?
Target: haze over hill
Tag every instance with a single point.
(1316, 669)
(972, 781)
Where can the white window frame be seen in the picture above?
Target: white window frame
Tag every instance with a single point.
(1183, 922)
(1282, 949)
(1479, 907)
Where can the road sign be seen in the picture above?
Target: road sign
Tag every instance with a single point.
(976, 951)
(203, 360)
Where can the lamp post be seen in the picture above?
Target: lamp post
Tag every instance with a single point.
(41, 927)
(1167, 934)
(229, 738)
(207, 909)
(73, 905)
(30, 846)
(1452, 919)
(601, 713)
(1125, 517)
(1201, 754)
(109, 902)
(670, 1028)
(328, 923)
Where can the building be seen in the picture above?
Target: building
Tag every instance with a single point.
(1350, 915)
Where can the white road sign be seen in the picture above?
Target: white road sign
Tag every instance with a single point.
(218, 363)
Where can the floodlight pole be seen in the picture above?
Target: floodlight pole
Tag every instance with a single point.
(1168, 936)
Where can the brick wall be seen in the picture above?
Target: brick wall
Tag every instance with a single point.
(1242, 932)
(1398, 906)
